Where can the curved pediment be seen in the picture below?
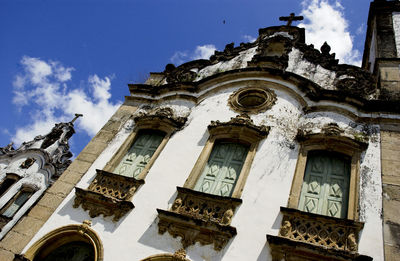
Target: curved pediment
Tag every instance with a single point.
(29, 162)
(279, 52)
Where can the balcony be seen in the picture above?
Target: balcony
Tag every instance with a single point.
(199, 217)
(108, 194)
(305, 235)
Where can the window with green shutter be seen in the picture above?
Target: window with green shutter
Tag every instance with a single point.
(325, 188)
(223, 168)
(140, 153)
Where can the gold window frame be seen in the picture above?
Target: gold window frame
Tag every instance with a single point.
(63, 235)
(160, 120)
(239, 130)
(335, 143)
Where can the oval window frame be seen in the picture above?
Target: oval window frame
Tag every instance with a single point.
(268, 96)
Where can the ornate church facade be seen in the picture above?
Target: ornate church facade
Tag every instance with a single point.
(269, 150)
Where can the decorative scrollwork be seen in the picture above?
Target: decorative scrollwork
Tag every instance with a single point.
(327, 232)
(161, 114)
(108, 194)
(242, 120)
(27, 163)
(199, 217)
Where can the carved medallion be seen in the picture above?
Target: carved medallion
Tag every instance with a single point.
(252, 100)
(27, 163)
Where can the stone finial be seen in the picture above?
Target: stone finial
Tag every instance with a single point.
(325, 48)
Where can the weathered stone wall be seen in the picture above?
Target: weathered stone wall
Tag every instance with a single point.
(390, 142)
(18, 237)
(390, 79)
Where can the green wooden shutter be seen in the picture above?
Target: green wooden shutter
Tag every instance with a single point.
(223, 168)
(139, 154)
(325, 188)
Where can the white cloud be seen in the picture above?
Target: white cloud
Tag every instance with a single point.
(249, 38)
(179, 57)
(200, 52)
(203, 51)
(41, 89)
(36, 70)
(38, 127)
(325, 21)
(361, 29)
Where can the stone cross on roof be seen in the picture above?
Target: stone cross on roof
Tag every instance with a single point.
(77, 115)
(290, 19)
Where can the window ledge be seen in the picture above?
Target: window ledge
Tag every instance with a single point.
(108, 194)
(318, 234)
(286, 249)
(199, 217)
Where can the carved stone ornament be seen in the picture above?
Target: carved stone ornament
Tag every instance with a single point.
(7, 149)
(108, 194)
(305, 234)
(180, 255)
(241, 121)
(174, 75)
(356, 81)
(331, 132)
(161, 114)
(27, 163)
(332, 129)
(199, 217)
(252, 100)
(273, 53)
(53, 146)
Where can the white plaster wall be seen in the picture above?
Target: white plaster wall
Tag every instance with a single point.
(267, 188)
(396, 29)
(237, 62)
(314, 72)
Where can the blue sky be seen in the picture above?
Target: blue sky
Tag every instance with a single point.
(60, 57)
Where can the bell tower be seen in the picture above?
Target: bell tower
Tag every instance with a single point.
(382, 58)
(382, 47)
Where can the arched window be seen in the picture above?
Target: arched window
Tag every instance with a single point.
(317, 186)
(76, 251)
(72, 242)
(221, 173)
(325, 188)
(140, 153)
(10, 180)
(224, 163)
(16, 203)
(140, 150)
